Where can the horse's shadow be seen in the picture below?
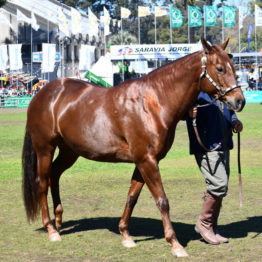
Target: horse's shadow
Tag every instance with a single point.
(153, 229)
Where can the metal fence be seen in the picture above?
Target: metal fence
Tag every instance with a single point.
(15, 102)
(23, 102)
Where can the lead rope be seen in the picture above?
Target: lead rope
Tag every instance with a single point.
(239, 171)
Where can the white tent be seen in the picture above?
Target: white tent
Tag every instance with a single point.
(104, 68)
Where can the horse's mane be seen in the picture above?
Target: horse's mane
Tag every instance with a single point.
(167, 69)
(173, 64)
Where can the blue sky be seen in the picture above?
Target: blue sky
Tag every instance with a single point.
(242, 3)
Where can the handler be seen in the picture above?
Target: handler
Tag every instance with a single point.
(214, 124)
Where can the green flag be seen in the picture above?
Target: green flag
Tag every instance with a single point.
(176, 17)
(229, 16)
(210, 15)
(194, 16)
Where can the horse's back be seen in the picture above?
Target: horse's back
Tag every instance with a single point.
(50, 101)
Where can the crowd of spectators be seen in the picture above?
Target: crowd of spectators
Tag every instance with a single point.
(17, 86)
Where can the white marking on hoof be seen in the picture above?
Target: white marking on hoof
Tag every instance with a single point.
(128, 243)
(54, 237)
(179, 252)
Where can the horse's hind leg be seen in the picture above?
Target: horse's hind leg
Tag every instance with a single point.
(150, 172)
(44, 162)
(137, 183)
(65, 159)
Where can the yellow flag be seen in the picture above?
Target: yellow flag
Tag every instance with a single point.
(143, 11)
(160, 11)
(125, 13)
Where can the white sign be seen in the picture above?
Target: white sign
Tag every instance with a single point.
(38, 57)
(258, 16)
(15, 56)
(3, 57)
(48, 59)
(172, 51)
(86, 57)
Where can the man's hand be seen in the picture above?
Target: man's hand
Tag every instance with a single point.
(237, 126)
(192, 112)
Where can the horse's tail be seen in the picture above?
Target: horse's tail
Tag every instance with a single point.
(30, 184)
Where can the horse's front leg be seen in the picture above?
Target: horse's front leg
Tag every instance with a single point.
(150, 172)
(137, 183)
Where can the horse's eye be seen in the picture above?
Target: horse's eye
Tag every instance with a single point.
(220, 69)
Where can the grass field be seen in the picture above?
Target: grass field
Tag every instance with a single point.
(94, 194)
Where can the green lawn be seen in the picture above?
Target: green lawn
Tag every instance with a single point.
(94, 194)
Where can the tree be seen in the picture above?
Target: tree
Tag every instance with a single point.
(2, 2)
(147, 27)
(253, 3)
(126, 36)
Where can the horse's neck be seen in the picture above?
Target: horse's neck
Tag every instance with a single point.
(181, 83)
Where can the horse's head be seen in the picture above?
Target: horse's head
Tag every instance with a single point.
(218, 76)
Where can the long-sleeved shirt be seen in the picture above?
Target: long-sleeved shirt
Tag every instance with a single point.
(214, 124)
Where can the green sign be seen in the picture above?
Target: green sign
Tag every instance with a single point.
(15, 102)
(176, 17)
(194, 16)
(229, 16)
(210, 15)
(96, 79)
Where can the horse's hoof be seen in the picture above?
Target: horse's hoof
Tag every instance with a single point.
(179, 252)
(54, 237)
(128, 243)
(58, 228)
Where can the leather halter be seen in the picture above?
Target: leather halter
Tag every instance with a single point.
(221, 91)
(204, 73)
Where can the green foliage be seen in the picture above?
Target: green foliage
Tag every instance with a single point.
(2, 2)
(126, 37)
(249, 19)
(253, 3)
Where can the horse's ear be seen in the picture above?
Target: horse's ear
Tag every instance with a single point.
(206, 45)
(230, 55)
(224, 45)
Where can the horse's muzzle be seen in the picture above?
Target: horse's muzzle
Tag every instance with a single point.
(236, 104)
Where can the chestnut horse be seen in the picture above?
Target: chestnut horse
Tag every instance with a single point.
(132, 122)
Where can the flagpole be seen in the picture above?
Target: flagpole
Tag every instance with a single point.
(171, 37)
(31, 48)
(155, 26)
(17, 25)
(121, 30)
(205, 33)
(48, 74)
(105, 40)
(73, 54)
(256, 52)
(123, 76)
(223, 36)
(239, 39)
(8, 50)
(188, 28)
(138, 29)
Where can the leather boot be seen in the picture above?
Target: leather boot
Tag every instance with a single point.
(220, 238)
(204, 225)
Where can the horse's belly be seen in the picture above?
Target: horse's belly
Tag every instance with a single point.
(93, 135)
(99, 146)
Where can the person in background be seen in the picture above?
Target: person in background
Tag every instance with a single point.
(214, 124)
